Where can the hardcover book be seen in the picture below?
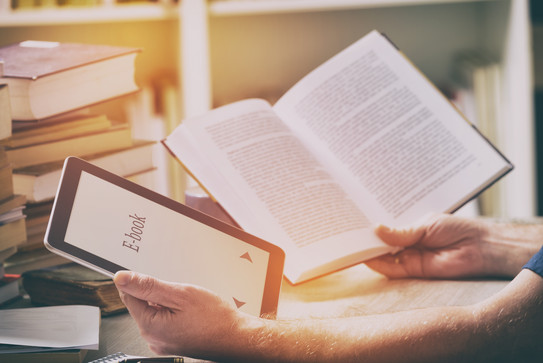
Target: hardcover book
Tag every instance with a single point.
(117, 137)
(5, 112)
(72, 284)
(50, 78)
(39, 182)
(47, 132)
(363, 139)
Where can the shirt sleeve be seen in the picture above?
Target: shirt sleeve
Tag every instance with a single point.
(536, 263)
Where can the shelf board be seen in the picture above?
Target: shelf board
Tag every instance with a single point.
(251, 7)
(112, 12)
(98, 14)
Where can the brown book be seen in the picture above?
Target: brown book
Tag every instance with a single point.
(72, 284)
(50, 78)
(9, 289)
(4, 254)
(37, 217)
(5, 112)
(6, 182)
(68, 128)
(39, 182)
(23, 261)
(3, 157)
(115, 138)
(12, 234)
(12, 202)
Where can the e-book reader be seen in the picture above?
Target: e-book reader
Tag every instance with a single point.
(108, 223)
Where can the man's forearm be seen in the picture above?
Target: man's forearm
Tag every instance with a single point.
(426, 335)
(503, 328)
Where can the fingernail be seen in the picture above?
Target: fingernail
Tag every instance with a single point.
(121, 278)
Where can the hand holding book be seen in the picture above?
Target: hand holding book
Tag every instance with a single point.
(365, 138)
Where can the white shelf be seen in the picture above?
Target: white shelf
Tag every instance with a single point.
(98, 14)
(253, 7)
(161, 11)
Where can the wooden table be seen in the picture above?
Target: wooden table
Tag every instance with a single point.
(351, 292)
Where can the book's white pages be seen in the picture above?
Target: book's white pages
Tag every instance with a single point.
(363, 139)
(66, 327)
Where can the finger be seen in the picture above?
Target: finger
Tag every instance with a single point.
(401, 265)
(387, 266)
(400, 237)
(136, 307)
(146, 288)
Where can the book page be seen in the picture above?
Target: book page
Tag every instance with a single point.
(396, 145)
(283, 194)
(68, 326)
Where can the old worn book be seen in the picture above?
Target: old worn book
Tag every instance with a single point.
(4, 254)
(12, 234)
(5, 112)
(115, 138)
(72, 284)
(23, 261)
(49, 78)
(13, 201)
(37, 217)
(39, 182)
(64, 129)
(363, 139)
(9, 288)
(6, 181)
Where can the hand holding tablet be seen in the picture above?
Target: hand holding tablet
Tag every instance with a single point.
(108, 223)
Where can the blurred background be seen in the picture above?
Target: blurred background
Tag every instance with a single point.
(483, 54)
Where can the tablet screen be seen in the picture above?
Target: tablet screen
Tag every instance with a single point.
(131, 230)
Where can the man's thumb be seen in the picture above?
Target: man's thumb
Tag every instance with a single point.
(138, 285)
(399, 237)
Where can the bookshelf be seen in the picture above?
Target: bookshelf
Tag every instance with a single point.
(224, 50)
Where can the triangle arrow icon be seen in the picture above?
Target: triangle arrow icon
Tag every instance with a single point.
(247, 257)
(239, 304)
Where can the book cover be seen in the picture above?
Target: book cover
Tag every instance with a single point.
(72, 284)
(12, 202)
(37, 59)
(6, 182)
(50, 78)
(4, 254)
(5, 112)
(12, 234)
(39, 182)
(72, 127)
(23, 261)
(9, 288)
(115, 138)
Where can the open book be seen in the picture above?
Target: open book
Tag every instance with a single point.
(363, 139)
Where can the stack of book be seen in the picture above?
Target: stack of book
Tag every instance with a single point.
(53, 87)
(72, 284)
(12, 219)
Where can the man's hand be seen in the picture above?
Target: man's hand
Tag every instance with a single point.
(445, 246)
(179, 318)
